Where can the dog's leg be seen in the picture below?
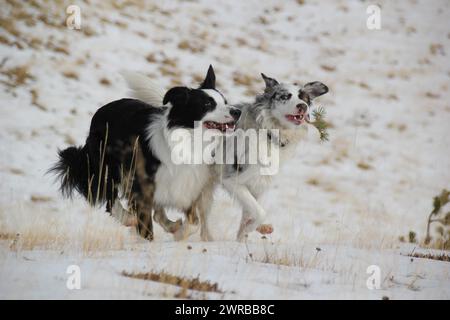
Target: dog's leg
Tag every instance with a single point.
(246, 218)
(168, 225)
(144, 220)
(204, 210)
(122, 215)
(190, 225)
(115, 209)
(253, 213)
(142, 197)
(142, 205)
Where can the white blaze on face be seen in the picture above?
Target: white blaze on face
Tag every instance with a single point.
(289, 107)
(221, 113)
(295, 100)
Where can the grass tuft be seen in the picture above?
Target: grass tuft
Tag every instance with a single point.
(184, 283)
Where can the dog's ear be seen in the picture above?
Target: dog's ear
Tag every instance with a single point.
(270, 82)
(176, 96)
(210, 79)
(314, 89)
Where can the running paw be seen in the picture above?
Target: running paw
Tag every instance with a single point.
(265, 228)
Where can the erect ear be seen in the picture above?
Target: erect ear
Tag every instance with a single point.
(270, 82)
(210, 79)
(314, 89)
(176, 96)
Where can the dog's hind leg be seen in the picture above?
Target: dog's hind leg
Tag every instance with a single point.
(142, 205)
(204, 210)
(142, 198)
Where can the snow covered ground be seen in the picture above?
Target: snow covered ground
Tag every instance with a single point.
(337, 207)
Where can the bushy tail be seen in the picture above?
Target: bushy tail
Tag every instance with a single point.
(144, 88)
(72, 169)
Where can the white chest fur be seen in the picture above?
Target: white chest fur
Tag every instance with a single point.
(176, 185)
(179, 186)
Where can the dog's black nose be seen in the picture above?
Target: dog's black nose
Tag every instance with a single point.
(302, 107)
(236, 113)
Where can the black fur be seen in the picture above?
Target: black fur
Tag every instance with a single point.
(118, 125)
(189, 105)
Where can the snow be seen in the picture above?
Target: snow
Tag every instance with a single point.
(388, 103)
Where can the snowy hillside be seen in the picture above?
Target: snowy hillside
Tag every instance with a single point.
(336, 207)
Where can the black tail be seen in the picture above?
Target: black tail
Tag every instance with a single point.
(72, 169)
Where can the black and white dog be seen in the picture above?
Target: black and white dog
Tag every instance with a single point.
(127, 150)
(283, 107)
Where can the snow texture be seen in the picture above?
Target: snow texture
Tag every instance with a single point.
(336, 207)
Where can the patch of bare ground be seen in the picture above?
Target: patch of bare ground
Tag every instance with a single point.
(182, 282)
(440, 257)
(18, 75)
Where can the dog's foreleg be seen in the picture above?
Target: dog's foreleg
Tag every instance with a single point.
(168, 225)
(253, 213)
(124, 216)
(190, 225)
(246, 218)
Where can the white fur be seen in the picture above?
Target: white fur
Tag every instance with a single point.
(283, 108)
(144, 88)
(221, 113)
(247, 186)
(176, 185)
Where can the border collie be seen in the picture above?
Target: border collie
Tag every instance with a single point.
(128, 150)
(284, 107)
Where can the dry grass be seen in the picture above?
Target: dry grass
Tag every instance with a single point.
(244, 79)
(282, 256)
(18, 75)
(182, 282)
(40, 198)
(440, 257)
(16, 171)
(313, 181)
(194, 47)
(9, 25)
(168, 71)
(70, 74)
(328, 68)
(35, 100)
(364, 166)
(37, 226)
(105, 82)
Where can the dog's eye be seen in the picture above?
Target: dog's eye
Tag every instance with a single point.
(210, 103)
(286, 96)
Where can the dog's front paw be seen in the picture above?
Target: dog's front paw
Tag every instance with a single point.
(130, 221)
(185, 231)
(175, 226)
(265, 228)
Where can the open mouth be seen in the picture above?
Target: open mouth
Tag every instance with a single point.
(297, 118)
(223, 127)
